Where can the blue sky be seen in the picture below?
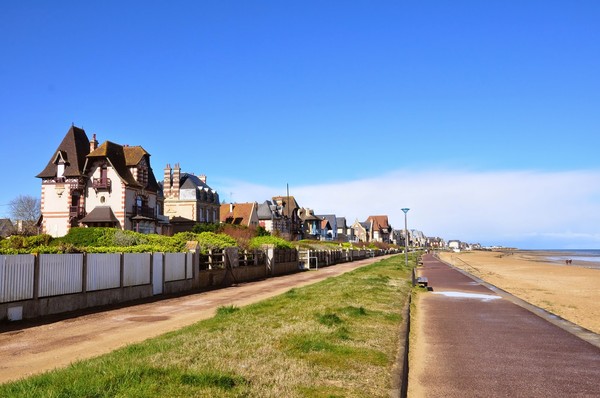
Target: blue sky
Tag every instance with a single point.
(481, 116)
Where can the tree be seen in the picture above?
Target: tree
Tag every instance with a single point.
(25, 209)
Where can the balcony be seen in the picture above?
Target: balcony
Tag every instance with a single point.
(76, 211)
(143, 211)
(101, 183)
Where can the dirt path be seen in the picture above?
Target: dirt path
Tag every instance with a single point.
(31, 350)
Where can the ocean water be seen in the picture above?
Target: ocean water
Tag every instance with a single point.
(587, 257)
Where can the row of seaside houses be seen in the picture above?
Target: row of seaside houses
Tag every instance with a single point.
(89, 184)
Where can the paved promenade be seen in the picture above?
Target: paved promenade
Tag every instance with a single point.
(472, 342)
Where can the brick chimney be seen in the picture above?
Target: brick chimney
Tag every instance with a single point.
(202, 178)
(168, 181)
(93, 143)
(176, 181)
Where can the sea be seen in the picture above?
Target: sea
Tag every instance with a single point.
(589, 258)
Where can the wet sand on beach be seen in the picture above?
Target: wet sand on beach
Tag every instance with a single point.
(570, 292)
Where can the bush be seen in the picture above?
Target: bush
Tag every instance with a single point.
(279, 243)
(206, 227)
(212, 241)
(261, 231)
(128, 238)
(81, 236)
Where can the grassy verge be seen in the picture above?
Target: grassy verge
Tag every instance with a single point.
(336, 338)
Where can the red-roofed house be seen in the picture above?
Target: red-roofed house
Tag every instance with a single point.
(240, 214)
(380, 229)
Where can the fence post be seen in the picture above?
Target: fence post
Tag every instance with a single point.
(36, 276)
(84, 274)
(122, 269)
(270, 259)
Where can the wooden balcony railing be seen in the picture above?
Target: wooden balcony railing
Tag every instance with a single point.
(101, 183)
(76, 211)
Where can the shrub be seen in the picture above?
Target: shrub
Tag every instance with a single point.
(81, 236)
(128, 238)
(261, 231)
(211, 241)
(279, 243)
(206, 227)
(16, 242)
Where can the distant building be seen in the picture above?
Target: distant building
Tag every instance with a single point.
(418, 238)
(271, 218)
(290, 213)
(331, 232)
(188, 199)
(6, 227)
(361, 231)
(380, 229)
(245, 214)
(455, 245)
(311, 224)
(344, 232)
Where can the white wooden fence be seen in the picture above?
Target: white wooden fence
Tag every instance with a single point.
(60, 274)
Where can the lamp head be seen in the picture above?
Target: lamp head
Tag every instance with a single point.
(405, 210)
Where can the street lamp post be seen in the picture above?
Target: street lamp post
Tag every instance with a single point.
(405, 210)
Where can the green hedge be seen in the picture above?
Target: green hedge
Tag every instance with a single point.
(279, 243)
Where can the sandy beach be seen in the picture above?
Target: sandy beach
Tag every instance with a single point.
(571, 292)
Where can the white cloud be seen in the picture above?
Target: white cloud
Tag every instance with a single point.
(522, 208)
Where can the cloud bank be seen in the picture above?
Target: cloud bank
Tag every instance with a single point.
(525, 209)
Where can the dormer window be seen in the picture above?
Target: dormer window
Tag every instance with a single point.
(60, 170)
(60, 160)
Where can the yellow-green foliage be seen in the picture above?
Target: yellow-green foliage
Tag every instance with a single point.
(279, 243)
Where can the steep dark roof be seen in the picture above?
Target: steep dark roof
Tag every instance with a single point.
(190, 181)
(115, 154)
(134, 154)
(266, 212)
(288, 209)
(73, 149)
(330, 218)
(308, 215)
(6, 227)
(380, 223)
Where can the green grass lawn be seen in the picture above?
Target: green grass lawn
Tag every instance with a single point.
(336, 338)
